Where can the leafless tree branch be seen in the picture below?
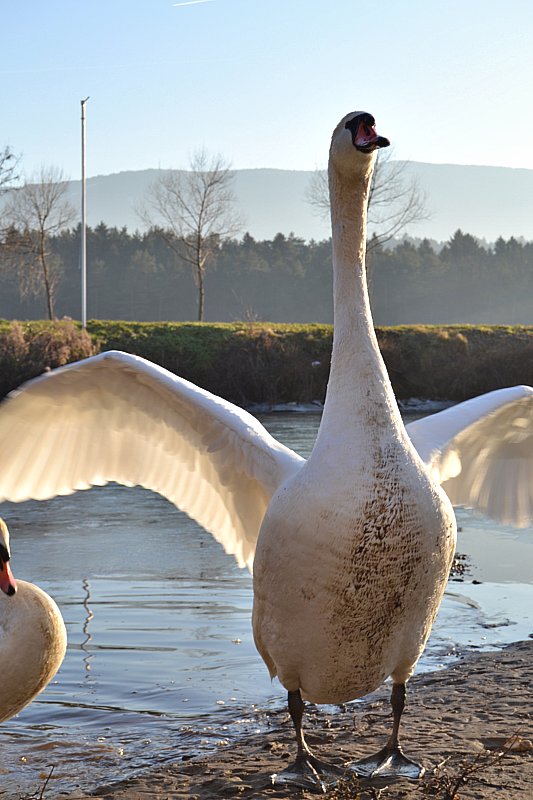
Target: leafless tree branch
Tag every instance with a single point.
(395, 200)
(195, 210)
(33, 213)
(8, 169)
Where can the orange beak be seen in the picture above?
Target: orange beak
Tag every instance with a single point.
(8, 583)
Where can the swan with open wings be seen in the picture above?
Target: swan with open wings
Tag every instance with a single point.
(350, 549)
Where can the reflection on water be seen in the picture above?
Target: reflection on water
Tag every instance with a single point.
(161, 660)
(89, 616)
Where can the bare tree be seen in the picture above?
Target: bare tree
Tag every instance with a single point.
(8, 175)
(195, 209)
(317, 193)
(395, 200)
(35, 212)
(8, 168)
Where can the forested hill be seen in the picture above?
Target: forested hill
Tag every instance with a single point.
(138, 277)
(486, 201)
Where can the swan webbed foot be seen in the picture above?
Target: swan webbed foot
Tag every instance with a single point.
(308, 772)
(390, 762)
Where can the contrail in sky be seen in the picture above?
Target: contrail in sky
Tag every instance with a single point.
(191, 3)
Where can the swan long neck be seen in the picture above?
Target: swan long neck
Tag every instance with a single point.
(359, 391)
(349, 202)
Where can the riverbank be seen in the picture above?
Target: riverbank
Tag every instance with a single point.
(272, 363)
(470, 721)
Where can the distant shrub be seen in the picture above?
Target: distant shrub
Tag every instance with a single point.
(28, 349)
(456, 362)
(256, 362)
(245, 362)
(278, 364)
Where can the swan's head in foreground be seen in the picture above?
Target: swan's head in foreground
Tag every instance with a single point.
(7, 581)
(354, 143)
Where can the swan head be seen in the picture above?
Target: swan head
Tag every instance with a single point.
(7, 582)
(354, 143)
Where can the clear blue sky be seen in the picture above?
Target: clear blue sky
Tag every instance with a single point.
(264, 81)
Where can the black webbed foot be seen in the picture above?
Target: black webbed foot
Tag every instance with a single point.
(308, 772)
(390, 762)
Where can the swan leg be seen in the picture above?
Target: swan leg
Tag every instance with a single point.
(307, 771)
(390, 761)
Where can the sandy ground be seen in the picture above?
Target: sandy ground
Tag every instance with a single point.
(461, 718)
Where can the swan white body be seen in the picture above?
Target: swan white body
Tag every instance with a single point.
(355, 544)
(33, 641)
(355, 550)
(33, 638)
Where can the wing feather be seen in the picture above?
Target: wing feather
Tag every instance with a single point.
(117, 417)
(481, 451)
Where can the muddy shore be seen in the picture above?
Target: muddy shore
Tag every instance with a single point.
(472, 719)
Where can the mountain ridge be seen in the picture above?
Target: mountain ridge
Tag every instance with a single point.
(485, 201)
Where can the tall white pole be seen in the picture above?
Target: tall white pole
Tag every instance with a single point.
(83, 223)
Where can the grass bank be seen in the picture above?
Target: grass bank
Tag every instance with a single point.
(272, 363)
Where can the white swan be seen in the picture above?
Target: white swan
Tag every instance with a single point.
(33, 638)
(356, 543)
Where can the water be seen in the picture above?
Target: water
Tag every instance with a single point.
(161, 661)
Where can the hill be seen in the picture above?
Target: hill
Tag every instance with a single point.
(485, 201)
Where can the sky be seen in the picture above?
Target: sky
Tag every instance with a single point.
(263, 82)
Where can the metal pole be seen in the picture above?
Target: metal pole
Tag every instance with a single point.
(83, 223)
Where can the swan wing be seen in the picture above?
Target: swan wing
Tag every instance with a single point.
(481, 451)
(118, 417)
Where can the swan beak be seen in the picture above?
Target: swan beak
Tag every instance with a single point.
(364, 135)
(8, 583)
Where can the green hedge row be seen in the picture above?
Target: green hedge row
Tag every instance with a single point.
(271, 363)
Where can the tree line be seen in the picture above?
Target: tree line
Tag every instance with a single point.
(193, 212)
(190, 265)
(140, 276)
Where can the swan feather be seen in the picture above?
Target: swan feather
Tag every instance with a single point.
(481, 452)
(118, 417)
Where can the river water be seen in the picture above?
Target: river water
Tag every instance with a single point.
(161, 661)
